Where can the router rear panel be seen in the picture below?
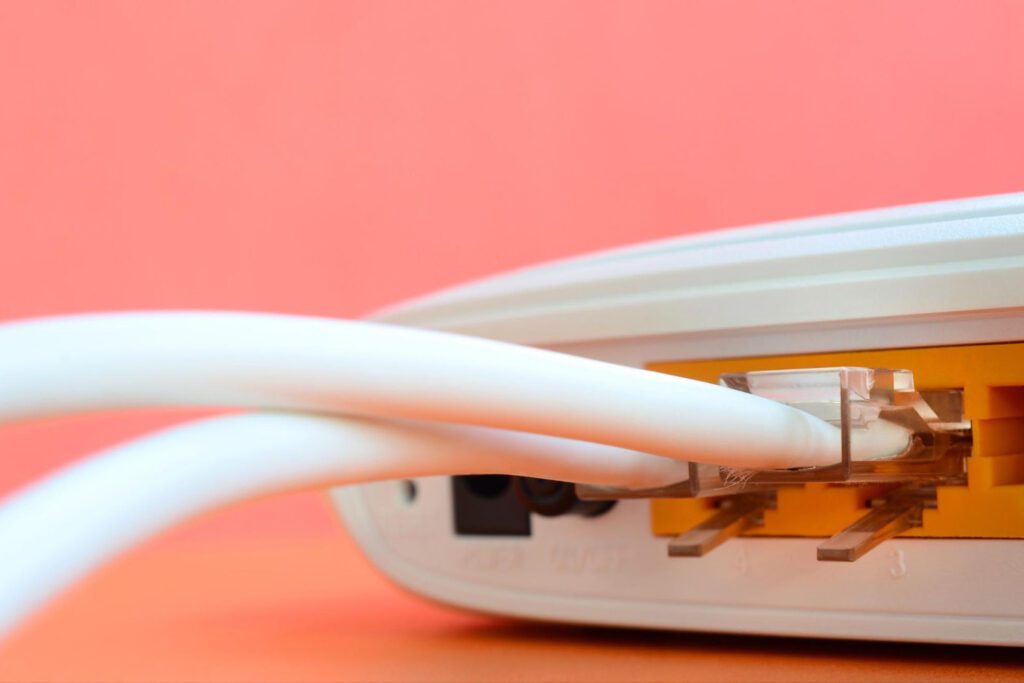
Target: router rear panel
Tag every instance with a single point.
(955, 578)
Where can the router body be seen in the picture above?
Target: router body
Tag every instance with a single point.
(935, 289)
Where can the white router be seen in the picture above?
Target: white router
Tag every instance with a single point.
(917, 314)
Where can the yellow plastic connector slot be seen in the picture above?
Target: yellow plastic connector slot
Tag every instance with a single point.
(990, 506)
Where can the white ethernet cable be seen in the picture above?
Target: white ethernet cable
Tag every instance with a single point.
(55, 531)
(611, 418)
(110, 361)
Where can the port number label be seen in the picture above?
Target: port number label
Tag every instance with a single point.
(502, 559)
(898, 569)
(587, 559)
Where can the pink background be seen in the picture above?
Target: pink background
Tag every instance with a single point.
(330, 158)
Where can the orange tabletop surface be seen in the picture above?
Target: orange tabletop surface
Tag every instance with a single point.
(196, 607)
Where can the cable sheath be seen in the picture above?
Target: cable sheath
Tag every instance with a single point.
(273, 362)
(55, 531)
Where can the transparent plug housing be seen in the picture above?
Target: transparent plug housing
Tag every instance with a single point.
(889, 431)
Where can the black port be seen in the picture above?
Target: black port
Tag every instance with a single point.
(553, 498)
(486, 505)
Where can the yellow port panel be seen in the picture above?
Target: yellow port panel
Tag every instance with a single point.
(990, 506)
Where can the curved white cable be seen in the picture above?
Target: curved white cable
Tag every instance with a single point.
(108, 361)
(57, 530)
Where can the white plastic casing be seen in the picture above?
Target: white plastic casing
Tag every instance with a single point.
(928, 275)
